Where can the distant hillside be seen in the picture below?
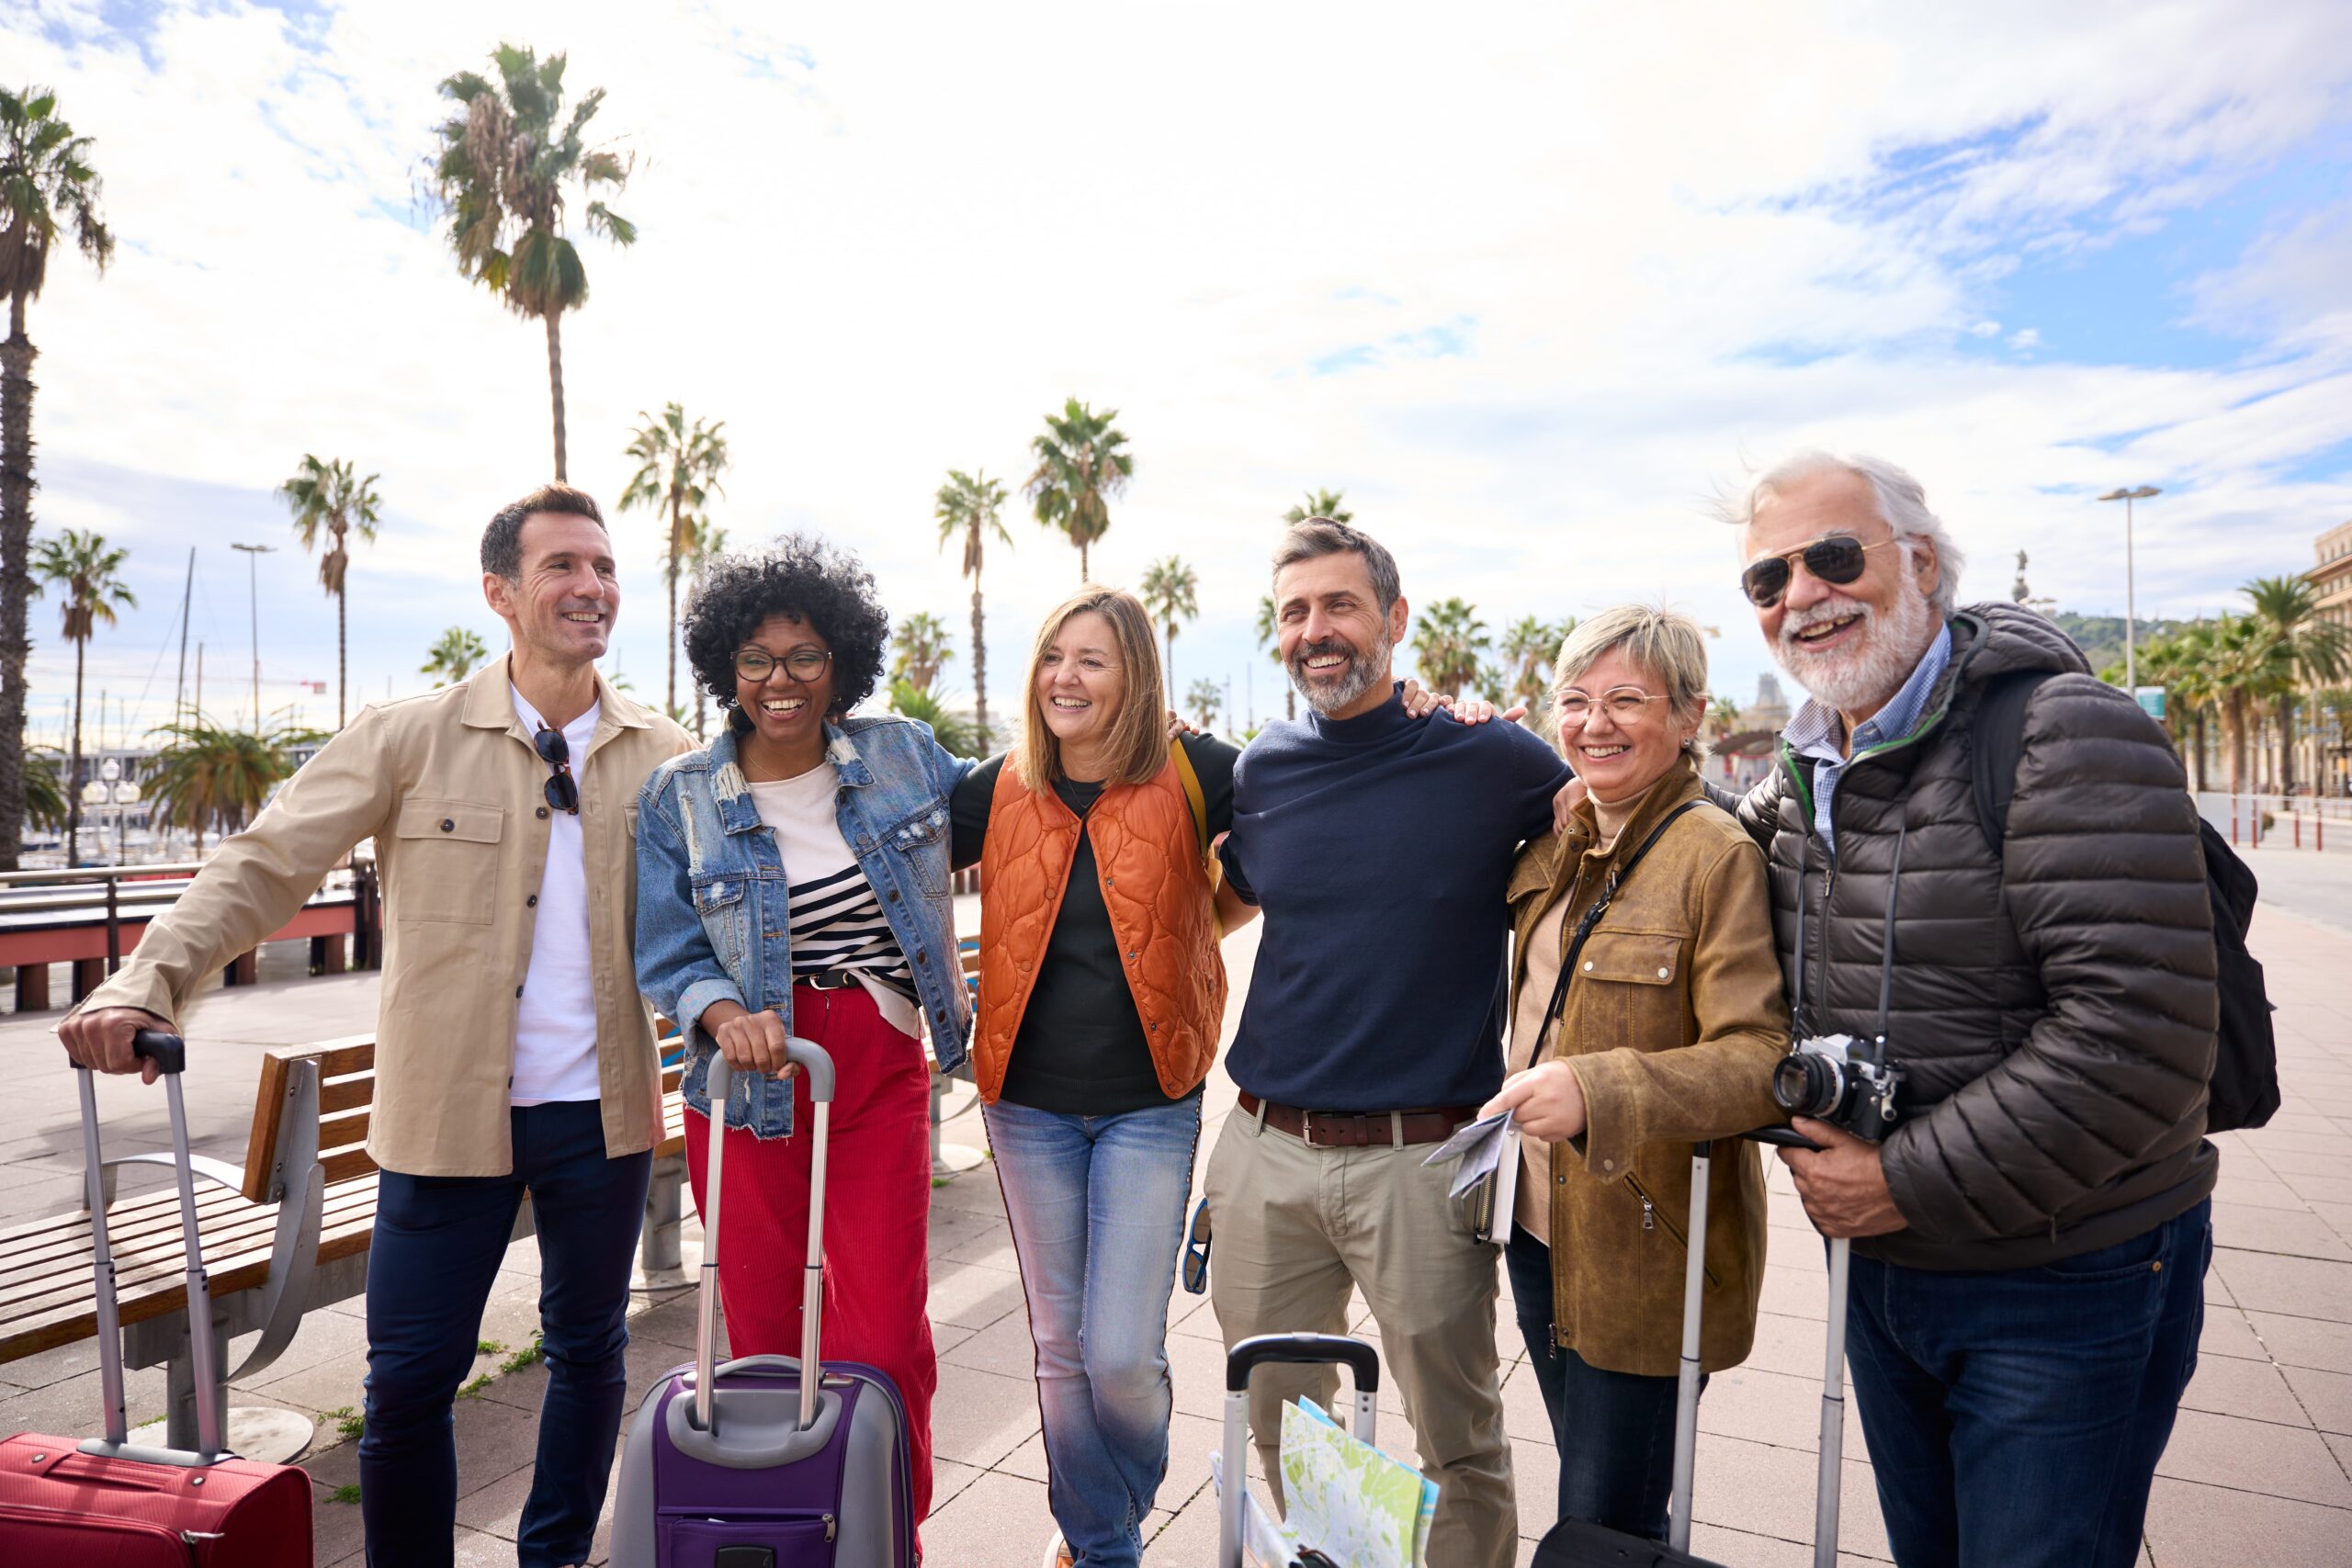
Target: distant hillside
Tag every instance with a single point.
(2101, 637)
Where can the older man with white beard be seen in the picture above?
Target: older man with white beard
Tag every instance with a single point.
(2030, 1238)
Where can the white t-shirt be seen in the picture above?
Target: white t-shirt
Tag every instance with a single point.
(836, 920)
(555, 1022)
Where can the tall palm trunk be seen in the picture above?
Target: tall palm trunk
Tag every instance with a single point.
(1083, 575)
(2197, 742)
(979, 671)
(1170, 672)
(74, 765)
(17, 357)
(342, 639)
(677, 549)
(555, 385)
(2287, 743)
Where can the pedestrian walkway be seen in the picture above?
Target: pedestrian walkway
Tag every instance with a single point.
(2259, 1471)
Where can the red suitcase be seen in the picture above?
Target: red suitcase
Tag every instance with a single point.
(105, 1504)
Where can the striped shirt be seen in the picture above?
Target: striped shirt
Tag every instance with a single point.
(836, 922)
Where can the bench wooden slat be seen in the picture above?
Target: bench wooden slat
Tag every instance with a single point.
(343, 1129)
(270, 1109)
(130, 1222)
(341, 1094)
(357, 1055)
(346, 1164)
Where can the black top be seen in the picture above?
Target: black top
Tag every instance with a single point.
(1081, 1051)
(1380, 848)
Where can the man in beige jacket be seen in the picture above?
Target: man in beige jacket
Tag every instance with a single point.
(513, 1052)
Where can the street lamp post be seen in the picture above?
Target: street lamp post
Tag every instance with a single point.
(2131, 608)
(253, 575)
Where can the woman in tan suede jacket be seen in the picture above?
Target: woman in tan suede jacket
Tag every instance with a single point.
(1668, 1033)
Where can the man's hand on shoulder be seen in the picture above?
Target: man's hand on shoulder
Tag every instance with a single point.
(99, 1038)
(1419, 703)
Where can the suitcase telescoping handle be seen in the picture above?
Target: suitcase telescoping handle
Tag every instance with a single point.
(1833, 1376)
(169, 1052)
(812, 1059)
(1295, 1350)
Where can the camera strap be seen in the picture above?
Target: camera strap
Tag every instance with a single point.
(1590, 919)
(1886, 949)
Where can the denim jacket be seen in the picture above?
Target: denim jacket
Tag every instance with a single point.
(712, 893)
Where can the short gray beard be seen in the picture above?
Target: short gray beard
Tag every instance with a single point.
(1363, 669)
(1867, 676)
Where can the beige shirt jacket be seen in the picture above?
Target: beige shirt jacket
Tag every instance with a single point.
(1672, 1025)
(453, 793)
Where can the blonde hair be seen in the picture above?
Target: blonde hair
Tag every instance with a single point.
(1136, 746)
(1666, 643)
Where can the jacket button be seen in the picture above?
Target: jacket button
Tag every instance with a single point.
(1587, 965)
(1131, 956)
(922, 957)
(543, 811)
(532, 902)
(1662, 974)
(1608, 1165)
(894, 895)
(1109, 882)
(448, 826)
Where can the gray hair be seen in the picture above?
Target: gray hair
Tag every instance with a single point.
(1902, 507)
(1666, 643)
(1313, 536)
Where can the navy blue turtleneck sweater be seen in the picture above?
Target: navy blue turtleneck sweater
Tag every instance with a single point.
(1380, 848)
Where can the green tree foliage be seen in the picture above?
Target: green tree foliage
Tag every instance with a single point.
(1202, 699)
(48, 193)
(1270, 638)
(501, 171)
(969, 506)
(209, 777)
(1530, 646)
(1170, 593)
(1449, 641)
(329, 500)
(677, 473)
(1082, 466)
(2308, 651)
(1331, 504)
(920, 644)
(952, 729)
(89, 572)
(453, 657)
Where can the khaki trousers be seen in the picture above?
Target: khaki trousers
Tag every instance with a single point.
(1295, 1227)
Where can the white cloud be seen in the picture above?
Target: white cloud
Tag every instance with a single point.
(1568, 267)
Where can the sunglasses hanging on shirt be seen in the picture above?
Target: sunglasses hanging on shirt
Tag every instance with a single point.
(1836, 559)
(562, 789)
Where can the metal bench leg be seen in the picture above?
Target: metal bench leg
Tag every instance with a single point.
(948, 1160)
(661, 1264)
(179, 1387)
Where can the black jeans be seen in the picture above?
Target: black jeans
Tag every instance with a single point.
(1614, 1430)
(438, 1241)
(2016, 1418)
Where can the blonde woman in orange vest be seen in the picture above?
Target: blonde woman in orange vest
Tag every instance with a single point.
(1102, 996)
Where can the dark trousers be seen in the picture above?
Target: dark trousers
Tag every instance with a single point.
(1614, 1430)
(438, 1243)
(2016, 1417)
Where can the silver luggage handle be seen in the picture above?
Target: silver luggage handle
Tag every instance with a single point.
(812, 1060)
(1295, 1350)
(169, 1052)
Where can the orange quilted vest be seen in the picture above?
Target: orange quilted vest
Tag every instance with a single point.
(1148, 855)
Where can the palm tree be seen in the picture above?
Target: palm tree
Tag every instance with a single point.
(211, 777)
(950, 729)
(1202, 698)
(47, 186)
(921, 642)
(1529, 647)
(2246, 668)
(705, 540)
(2312, 651)
(500, 173)
(1328, 503)
(329, 498)
(1270, 638)
(1170, 593)
(1448, 643)
(1081, 467)
(1722, 718)
(678, 470)
(968, 504)
(90, 573)
(44, 796)
(453, 657)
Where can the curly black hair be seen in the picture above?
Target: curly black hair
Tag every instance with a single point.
(799, 575)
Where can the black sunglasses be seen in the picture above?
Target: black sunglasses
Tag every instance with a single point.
(1196, 1251)
(1836, 559)
(562, 789)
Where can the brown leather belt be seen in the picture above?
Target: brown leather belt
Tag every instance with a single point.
(1355, 1129)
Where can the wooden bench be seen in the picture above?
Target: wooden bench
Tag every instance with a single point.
(286, 1233)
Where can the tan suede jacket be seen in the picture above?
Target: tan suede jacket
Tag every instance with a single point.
(450, 789)
(1672, 1024)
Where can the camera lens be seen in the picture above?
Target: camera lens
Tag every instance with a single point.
(1806, 1084)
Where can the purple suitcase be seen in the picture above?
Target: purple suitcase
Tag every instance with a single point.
(746, 1465)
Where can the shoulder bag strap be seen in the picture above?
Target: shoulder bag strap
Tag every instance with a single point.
(1590, 919)
(1192, 796)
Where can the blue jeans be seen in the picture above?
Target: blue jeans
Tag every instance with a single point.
(2016, 1417)
(1614, 1430)
(437, 1246)
(1097, 1208)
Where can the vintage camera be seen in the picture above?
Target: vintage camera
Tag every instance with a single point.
(1820, 1078)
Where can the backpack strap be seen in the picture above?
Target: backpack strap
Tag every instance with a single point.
(1998, 738)
(1192, 796)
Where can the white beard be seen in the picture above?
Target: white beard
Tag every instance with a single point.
(1869, 670)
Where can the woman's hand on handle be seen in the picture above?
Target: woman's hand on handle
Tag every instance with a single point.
(1545, 1103)
(752, 1042)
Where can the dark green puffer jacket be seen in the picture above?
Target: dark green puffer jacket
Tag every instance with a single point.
(2054, 1005)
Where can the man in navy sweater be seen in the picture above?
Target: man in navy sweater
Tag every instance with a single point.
(1378, 847)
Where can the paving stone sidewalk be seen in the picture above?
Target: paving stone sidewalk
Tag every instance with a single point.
(2259, 1471)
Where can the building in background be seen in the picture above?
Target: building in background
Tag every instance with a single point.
(2326, 738)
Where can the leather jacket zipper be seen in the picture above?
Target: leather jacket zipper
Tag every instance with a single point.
(1651, 1212)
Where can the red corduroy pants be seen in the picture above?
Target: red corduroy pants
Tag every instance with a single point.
(878, 1212)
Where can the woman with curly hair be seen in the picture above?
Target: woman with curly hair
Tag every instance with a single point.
(792, 880)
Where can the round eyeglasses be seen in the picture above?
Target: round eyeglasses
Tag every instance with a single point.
(1625, 704)
(803, 664)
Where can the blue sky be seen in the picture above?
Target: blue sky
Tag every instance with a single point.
(1529, 287)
